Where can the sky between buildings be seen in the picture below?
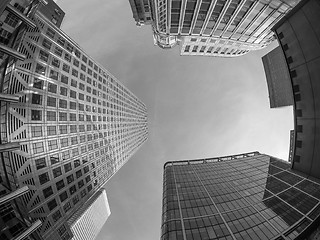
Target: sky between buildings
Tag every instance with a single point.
(198, 107)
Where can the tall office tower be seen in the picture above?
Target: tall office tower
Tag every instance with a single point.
(278, 79)
(53, 12)
(87, 222)
(141, 10)
(67, 125)
(225, 28)
(246, 196)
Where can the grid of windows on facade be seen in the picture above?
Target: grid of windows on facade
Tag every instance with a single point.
(238, 197)
(244, 22)
(82, 124)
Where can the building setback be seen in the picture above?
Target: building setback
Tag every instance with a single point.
(225, 28)
(67, 124)
(87, 222)
(245, 196)
(278, 79)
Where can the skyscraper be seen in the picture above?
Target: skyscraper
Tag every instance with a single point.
(87, 222)
(278, 79)
(225, 28)
(67, 124)
(245, 196)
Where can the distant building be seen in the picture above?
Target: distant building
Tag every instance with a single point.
(53, 12)
(222, 28)
(87, 222)
(291, 147)
(67, 124)
(245, 196)
(278, 79)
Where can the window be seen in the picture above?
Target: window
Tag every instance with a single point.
(52, 144)
(63, 116)
(36, 131)
(73, 189)
(89, 187)
(66, 68)
(75, 200)
(67, 57)
(65, 155)
(73, 83)
(63, 91)
(50, 33)
(11, 20)
(51, 130)
(77, 53)
(43, 178)
(64, 142)
(36, 115)
(51, 101)
(76, 62)
(56, 216)
(88, 178)
(63, 196)
(44, 56)
(81, 97)
(69, 47)
(52, 88)
(73, 94)
(76, 163)
(63, 103)
(86, 169)
(72, 105)
(78, 173)
(75, 72)
(67, 207)
(51, 116)
(38, 147)
(55, 62)
(70, 179)
(83, 193)
(63, 129)
(64, 79)
(57, 172)
(52, 204)
(82, 77)
(38, 83)
(83, 67)
(61, 41)
(54, 159)
(73, 116)
(58, 51)
(40, 163)
(54, 75)
(40, 69)
(36, 99)
(46, 43)
(47, 192)
(60, 184)
(80, 184)
(67, 167)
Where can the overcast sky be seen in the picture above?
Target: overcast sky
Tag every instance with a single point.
(198, 107)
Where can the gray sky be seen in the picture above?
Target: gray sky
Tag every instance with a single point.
(197, 107)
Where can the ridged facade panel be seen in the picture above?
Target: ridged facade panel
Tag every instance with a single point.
(75, 122)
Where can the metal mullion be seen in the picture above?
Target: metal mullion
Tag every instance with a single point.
(233, 16)
(182, 10)
(209, 13)
(244, 18)
(214, 204)
(195, 15)
(226, 6)
(178, 198)
(168, 17)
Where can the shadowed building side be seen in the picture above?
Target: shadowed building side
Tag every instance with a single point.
(299, 36)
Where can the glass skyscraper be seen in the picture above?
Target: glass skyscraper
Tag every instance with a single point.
(67, 124)
(245, 196)
(225, 28)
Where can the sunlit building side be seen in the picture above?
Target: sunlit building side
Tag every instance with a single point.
(225, 28)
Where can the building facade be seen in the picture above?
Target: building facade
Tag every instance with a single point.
(225, 28)
(87, 222)
(67, 125)
(245, 196)
(298, 36)
(278, 79)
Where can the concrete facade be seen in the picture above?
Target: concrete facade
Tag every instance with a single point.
(299, 36)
